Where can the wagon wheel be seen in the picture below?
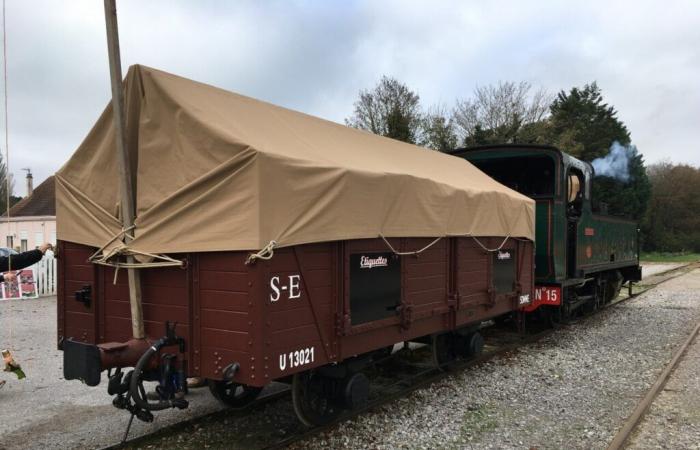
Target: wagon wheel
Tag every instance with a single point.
(312, 398)
(233, 394)
(444, 350)
(471, 345)
(382, 353)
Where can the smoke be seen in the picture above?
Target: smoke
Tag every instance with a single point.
(616, 163)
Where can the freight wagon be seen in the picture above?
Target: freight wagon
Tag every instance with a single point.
(273, 246)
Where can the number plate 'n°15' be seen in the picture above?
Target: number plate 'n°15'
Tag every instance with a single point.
(545, 295)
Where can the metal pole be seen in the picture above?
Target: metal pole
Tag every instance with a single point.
(123, 157)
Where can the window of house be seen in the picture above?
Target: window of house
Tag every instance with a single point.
(10, 242)
(38, 239)
(23, 244)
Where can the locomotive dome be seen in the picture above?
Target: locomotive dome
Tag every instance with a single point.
(215, 171)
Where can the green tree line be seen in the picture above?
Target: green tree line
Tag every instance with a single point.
(577, 121)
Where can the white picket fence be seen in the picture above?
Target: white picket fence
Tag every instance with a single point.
(46, 276)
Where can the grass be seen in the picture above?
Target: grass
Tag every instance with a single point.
(669, 257)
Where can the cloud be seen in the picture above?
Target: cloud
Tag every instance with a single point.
(315, 56)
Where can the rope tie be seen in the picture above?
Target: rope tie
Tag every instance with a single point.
(491, 250)
(416, 252)
(266, 253)
(109, 258)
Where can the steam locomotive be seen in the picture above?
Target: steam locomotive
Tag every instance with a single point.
(582, 258)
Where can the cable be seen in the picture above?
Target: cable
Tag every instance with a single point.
(7, 162)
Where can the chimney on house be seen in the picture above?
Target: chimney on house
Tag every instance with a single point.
(30, 181)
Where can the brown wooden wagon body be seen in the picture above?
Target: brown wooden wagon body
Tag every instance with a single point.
(300, 309)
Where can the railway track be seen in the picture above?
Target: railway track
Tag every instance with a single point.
(625, 432)
(497, 344)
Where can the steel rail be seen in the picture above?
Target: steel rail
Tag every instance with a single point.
(643, 406)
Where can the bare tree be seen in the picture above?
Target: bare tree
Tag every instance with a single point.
(438, 130)
(4, 186)
(498, 113)
(391, 109)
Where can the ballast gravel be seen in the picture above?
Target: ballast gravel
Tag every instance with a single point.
(573, 389)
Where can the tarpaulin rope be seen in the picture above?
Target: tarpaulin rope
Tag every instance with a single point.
(110, 257)
(265, 253)
(418, 252)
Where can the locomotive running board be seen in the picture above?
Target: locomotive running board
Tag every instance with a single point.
(81, 361)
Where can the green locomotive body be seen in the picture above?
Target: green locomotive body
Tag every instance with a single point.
(582, 257)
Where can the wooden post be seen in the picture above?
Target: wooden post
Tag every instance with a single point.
(124, 158)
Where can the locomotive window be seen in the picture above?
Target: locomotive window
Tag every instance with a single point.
(530, 175)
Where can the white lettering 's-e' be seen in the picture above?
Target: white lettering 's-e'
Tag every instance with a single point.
(274, 285)
(294, 291)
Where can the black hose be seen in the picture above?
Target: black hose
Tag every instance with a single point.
(136, 377)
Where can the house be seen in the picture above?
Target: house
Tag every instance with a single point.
(32, 220)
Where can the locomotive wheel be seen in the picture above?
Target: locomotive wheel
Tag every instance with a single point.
(313, 399)
(233, 394)
(552, 316)
(444, 347)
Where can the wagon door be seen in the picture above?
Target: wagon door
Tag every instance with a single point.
(76, 299)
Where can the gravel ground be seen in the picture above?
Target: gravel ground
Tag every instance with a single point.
(652, 268)
(673, 421)
(571, 390)
(45, 411)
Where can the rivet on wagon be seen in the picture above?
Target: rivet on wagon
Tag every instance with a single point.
(250, 323)
(216, 353)
(252, 358)
(252, 376)
(196, 367)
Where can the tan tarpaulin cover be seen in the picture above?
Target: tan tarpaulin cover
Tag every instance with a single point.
(219, 171)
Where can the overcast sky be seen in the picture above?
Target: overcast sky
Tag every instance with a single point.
(314, 56)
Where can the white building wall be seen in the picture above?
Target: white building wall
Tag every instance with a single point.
(35, 230)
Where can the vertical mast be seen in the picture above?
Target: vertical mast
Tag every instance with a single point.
(124, 159)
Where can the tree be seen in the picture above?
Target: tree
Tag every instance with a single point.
(583, 125)
(391, 109)
(501, 113)
(672, 222)
(626, 196)
(3, 187)
(438, 130)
